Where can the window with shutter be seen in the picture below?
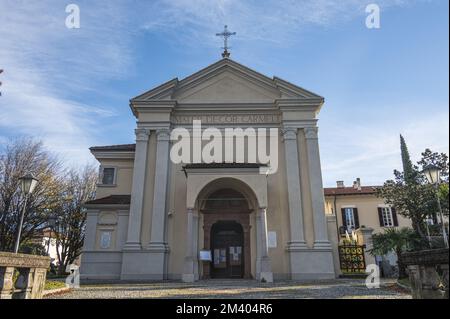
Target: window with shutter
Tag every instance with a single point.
(380, 216)
(387, 216)
(348, 218)
(356, 217)
(394, 216)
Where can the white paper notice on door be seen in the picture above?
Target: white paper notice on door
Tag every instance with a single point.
(216, 256)
(272, 239)
(223, 256)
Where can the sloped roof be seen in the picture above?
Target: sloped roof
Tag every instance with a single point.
(114, 148)
(166, 91)
(111, 200)
(342, 191)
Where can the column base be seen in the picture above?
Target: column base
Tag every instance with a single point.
(311, 264)
(147, 264)
(132, 246)
(190, 270)
(297, 245)
(266, 277)
(265, 270)
(189, 278)
(322, 244)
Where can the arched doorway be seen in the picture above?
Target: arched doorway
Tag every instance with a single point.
(226, 225)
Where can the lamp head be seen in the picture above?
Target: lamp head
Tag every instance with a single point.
(28, 184)
(432, 173)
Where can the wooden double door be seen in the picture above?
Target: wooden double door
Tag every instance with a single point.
(227, 247)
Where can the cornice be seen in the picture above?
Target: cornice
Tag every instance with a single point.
(107, 206)
(100, 155)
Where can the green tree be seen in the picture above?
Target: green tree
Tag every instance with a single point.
(409, 171)
(440, 160)
(397, 241)
(411, 194)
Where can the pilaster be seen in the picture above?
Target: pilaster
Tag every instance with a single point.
(137, 193)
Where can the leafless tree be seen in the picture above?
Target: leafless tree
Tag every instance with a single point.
(17, 158)
(78, 187)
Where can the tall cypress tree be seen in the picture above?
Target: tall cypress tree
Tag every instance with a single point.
(408, 169)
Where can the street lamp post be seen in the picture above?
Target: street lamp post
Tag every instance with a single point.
(27, 185)
(51, 226)
(432, 173)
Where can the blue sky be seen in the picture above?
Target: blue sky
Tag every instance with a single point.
(71, 88)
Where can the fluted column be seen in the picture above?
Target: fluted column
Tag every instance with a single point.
(157, 240)
(265, 266)
(297, 239)
(137, 192)
(190, 271)
(316, 186)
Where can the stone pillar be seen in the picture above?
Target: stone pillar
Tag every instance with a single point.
(157, 239)
(247, 253)
(157, 247)
(6, 282)
(258, 247)
(316, 185)
(334, 241)
(137, 192)
(190, 272)
(195, 227)
(24, 283)
(297, 239)
(265, 266)
(365, 238)
(30, 281)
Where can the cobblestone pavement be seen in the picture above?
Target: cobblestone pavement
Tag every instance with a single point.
(339, 288)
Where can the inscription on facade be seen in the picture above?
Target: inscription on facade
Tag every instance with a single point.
(228, 119)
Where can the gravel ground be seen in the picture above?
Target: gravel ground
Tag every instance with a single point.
(246, 289)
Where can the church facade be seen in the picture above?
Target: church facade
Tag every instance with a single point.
(157, 218)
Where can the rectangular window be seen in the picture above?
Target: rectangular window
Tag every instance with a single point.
(108, 175)
(350, 219)
(388, 220)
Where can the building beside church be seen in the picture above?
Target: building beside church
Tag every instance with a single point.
(157, 219)
(357, 207)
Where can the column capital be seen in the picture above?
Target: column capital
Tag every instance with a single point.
(262, 211)
(289, 133)
(163, 134)
(311, 132)
(142, 134)
(192, 211)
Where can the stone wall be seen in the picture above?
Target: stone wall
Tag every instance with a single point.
(31, 274)
(428, 273)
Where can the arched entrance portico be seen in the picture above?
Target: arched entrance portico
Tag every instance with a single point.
(214, 203)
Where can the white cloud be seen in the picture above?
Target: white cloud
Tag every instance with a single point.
(280, 22)
(372, 152)
(47, 64)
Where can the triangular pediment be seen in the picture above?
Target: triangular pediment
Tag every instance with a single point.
(226, 81)
(227, 86)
